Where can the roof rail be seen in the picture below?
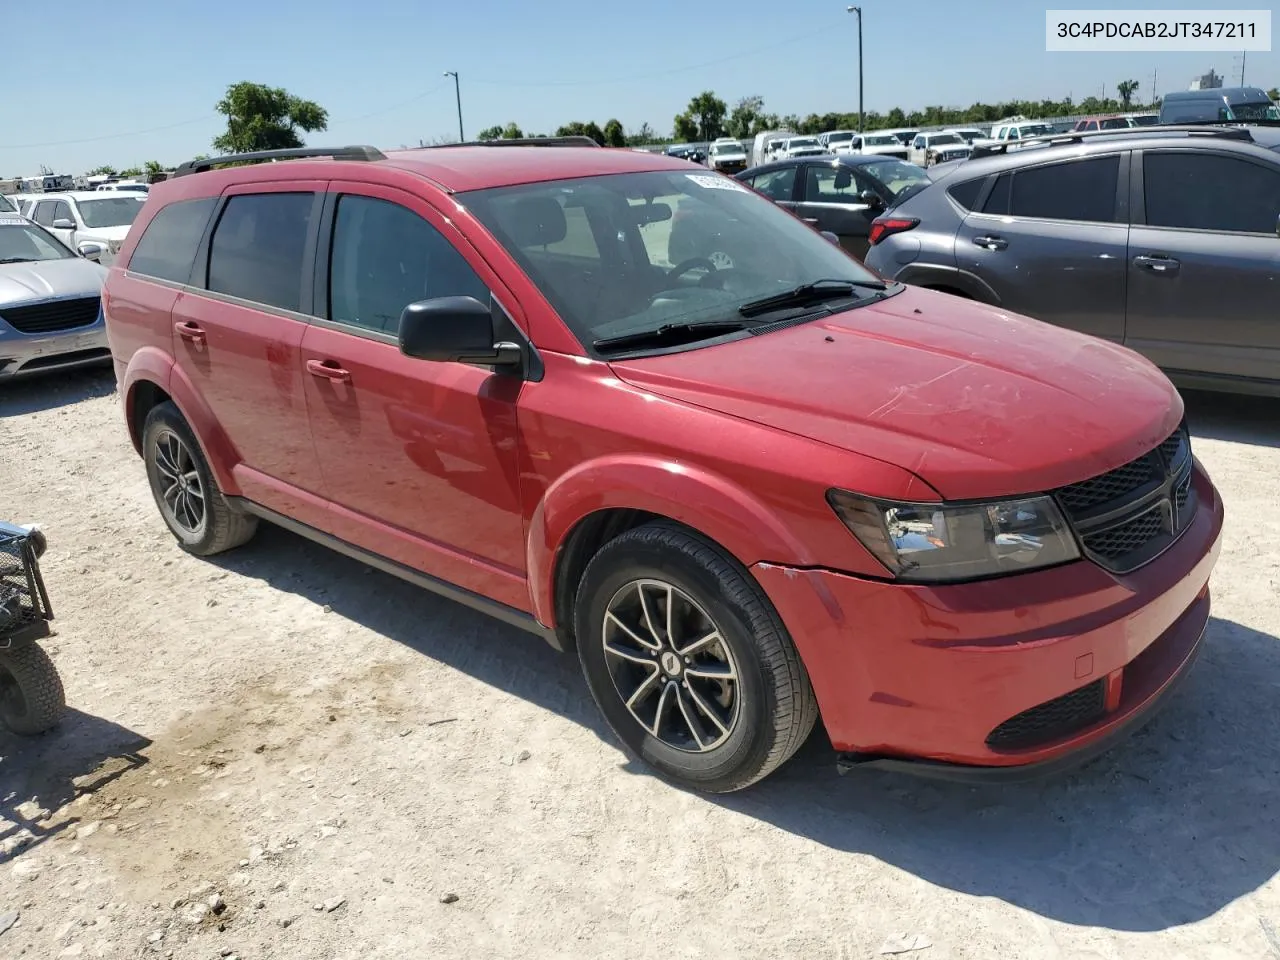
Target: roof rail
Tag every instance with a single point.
(575, 141)
(261, 156)
(1063, 139)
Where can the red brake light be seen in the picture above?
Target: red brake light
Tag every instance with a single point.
(882, 227)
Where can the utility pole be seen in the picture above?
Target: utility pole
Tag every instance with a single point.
(457, 92)
(1244, 55)
(858, 11)
(1154, 89)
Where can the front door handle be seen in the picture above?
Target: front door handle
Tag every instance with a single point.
(810, 220)
(190, 331)
(328, 370)
(991, 243)
(1157, 264)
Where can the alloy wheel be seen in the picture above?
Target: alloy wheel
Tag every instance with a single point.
(671, 666)
(181, 490)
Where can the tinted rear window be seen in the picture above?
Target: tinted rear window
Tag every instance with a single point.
(1201, 191)
(257, 248)
(966, 194)
(1078, 190)
(168, 247)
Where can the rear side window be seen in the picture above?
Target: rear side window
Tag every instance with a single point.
(257, 248)
(1079, 190)
(1203, 191)
(966, 194)
(386, 257)
(168, 247)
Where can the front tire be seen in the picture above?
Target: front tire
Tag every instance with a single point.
(193, 508)
(688, 661)
(31, 695)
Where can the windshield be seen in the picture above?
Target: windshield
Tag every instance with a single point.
(797, 143)
(110, 211)
(1035, 130)
(882, 141)
(943, 139)
(1254, 111)
(625, 253)
(719, 148)
(21, 241)
(839, 137)
(896, 175)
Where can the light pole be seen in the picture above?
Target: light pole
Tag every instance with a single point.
(457, 93)
(858, 11)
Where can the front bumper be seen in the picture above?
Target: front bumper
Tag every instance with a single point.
(909, 673)
(23, 354)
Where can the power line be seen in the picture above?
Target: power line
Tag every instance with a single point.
(109, 136)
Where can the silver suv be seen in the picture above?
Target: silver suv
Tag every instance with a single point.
(1165, 239)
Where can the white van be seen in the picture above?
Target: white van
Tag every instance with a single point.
(766, 145)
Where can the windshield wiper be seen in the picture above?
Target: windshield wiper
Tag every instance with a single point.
(670, 333)
(17, 259)
(815, 292)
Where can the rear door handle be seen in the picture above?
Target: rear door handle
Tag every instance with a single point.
(189, 331)
(991, 243)
(1165, 265)
(328, 370)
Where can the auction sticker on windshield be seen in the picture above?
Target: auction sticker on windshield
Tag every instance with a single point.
(715, 183)
(12, 222)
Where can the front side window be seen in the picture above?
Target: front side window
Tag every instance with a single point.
(62, 211)
(777, 184)
(1205, 191)
(110, 211)
(724, 247)
(44, 213)
(1077, 190)
(386, 257)
(168, 247)
(257, 248)
(21, 243)
(825, 184)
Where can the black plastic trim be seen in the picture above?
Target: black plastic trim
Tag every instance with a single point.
(499, 611)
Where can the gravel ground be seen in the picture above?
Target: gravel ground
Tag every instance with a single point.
(281, 753)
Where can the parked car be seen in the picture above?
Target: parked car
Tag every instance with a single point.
(930, 148)
(766, 144)
(879, 145)
(968, 134)
(1103, 123)
(49, 299)
(841, 194)
(1163, 239)
(131, 186)
(1145, 119)
(802, 147)
(727, 156)
(7, 205)
(92, 223)
(904, 135)
(973, 542)
(1018, 129)
(1217, 104)
(837, 141)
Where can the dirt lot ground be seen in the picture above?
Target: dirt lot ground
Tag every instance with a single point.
(330, 754)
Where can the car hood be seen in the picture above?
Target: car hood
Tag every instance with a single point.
(73, 277)
(103, 233)
(886, 148)
(975, 401)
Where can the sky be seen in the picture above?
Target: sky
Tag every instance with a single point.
(130, 87)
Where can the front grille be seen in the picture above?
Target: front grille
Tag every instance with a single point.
(1129, 515)
(1050, 720)
(52, 315)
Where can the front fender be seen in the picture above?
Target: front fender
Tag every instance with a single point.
(710, 503)
(152, 365)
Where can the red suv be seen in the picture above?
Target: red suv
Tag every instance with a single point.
(751, 487)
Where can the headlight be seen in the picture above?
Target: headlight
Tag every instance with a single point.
(940, 542)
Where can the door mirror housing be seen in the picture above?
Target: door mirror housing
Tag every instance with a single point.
(62, 223)
(454, 330)
(91, 251)
(828, 235)
(871, 199)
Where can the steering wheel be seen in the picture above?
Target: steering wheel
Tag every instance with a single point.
(684, 266)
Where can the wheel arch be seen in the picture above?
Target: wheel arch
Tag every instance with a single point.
(947, 279)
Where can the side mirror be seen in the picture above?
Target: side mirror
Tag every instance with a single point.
(91, 251)
(454, 329)
(62, 223)
(871, 198)
(828, 235)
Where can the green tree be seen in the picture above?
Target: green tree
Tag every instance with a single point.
(1126, 89)
(103, 171)
(705, 115)
(743, 117)
(578, 129)
(614, 134)
(131, 172)
(1274, 93)
(686, 128)
(152, 167)
(645, 135)
(490, 133)
(265, 118)
(511, 131)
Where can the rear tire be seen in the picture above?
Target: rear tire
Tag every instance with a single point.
(31, 695)
(688, 661)
(185, 491)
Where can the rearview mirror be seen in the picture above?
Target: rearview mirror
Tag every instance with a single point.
(62, 223)
(91, 251)
(454, 329)
(652, 213)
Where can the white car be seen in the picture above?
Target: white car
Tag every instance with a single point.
(880, 144)
(930, 148)
(967, 134)
(1016, 130)
(838, 141)
(92, 223)
(727, 156)
(802, 147)
(132, 186)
